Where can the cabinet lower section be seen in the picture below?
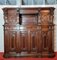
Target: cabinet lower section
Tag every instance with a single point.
(29, 42)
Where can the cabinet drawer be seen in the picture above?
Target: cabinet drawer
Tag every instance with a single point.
(28, 11)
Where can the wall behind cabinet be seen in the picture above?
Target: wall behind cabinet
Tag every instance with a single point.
(28, 2)
(1, 31)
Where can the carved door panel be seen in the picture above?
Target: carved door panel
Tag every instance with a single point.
(39, 41)
(11, 39)
(45, 39)
(23, 41)
(45, 17)
(13, 42)
(6, 41)
(11, 16)
(51, 38)
(30, 41)
(33, 41)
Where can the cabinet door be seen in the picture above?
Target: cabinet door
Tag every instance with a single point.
(51, 38)
(10, 41)
(39, 41)
(47, 39)
(45, 17)
(6, 41)
(33, 41)
(23, 41)
(36, 41)
(27, 41)
(11, 16)
(30, 40)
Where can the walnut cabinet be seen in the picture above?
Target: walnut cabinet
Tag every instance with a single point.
(29, 32)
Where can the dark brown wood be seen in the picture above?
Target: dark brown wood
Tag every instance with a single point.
(29, 32)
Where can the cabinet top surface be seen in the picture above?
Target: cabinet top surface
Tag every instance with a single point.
(29, 6)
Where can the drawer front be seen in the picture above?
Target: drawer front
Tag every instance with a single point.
(28, 11)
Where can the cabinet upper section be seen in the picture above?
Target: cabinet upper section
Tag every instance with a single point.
(28, 2)
(29, 16)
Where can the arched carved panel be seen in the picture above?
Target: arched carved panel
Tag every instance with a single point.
(24, 41)
(45, 39)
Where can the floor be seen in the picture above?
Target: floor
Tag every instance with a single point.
(2, 58)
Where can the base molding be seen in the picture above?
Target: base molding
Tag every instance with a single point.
(38, 55)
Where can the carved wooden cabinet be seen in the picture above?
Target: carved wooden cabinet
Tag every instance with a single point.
(29, 32)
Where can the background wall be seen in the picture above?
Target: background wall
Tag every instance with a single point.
(55, 29)
(2, 32)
